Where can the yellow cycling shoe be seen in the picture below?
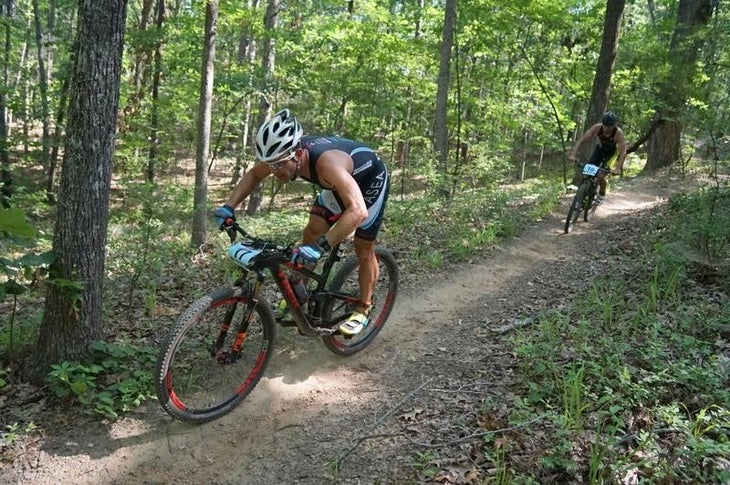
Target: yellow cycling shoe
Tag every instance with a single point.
(354, 324)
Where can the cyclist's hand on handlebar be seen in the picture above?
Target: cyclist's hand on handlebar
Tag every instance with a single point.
(224, 216)
(615, 172)
(307, 255)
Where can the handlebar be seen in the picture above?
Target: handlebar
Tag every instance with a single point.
(269, 254)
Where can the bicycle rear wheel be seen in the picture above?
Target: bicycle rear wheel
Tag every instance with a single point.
(576, 205)
(345, 282)
(199, 375)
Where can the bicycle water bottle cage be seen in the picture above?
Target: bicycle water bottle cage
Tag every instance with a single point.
(242, 254)
(590, 169)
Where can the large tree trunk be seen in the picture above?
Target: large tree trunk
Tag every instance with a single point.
(200, 204)
(604, 69)
(663, 147)
(73, 308)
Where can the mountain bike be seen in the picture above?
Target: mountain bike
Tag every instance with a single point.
(584, 199)
(220, 346)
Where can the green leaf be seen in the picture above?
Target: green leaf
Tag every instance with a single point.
(13, 221)
(79, 387)
(11, 287)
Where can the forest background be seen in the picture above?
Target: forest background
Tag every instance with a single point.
(122, 125)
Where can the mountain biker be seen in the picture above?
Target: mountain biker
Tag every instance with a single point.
(355, 187)
(610, 147)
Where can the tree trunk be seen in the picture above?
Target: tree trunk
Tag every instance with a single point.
(604, 70)
(45, 111)
(155, 101)
(268, 60)
(73, 308)
(664, 145)
(246, 56)
(440, 127)
(200, 204)
(5, 175)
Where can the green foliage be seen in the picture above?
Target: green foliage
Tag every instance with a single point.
(115, 378)
(643, 350)
(471, 221)
(701, 220)
(20, 271)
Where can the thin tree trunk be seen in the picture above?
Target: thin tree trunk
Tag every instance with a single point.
(268, 61)
(45, 111)
(440, 128)
(6, 177)
(156, 80)
(200, 207)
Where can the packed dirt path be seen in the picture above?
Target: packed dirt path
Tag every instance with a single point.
(420, 384)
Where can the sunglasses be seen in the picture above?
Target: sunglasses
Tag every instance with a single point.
(277, 164)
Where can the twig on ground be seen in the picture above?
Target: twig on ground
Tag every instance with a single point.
(476, 435)
(377, 423)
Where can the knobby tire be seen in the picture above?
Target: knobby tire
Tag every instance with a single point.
(198, 381)
(345, 281)
(576, 205)
(590, 206)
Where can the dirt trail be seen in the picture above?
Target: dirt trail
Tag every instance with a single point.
(412, 385)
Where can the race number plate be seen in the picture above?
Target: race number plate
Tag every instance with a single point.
(589, 169)
(242, 254)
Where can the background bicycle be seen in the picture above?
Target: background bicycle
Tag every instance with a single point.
(220, 346)
(584, 199)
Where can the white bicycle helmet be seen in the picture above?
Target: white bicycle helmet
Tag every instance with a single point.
(278, 136)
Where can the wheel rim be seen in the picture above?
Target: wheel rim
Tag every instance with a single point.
(200, 381)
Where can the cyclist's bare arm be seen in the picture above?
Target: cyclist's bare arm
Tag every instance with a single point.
(334, 169)
(621, 147)
(591, 132)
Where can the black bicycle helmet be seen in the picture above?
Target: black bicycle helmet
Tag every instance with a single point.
(278, 136)
(609, 118)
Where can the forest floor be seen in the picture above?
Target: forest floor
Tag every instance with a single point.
(381, 414)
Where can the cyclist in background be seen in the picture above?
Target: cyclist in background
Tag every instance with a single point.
(355, 187)
(610, 147)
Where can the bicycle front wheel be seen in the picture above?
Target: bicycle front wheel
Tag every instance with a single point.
(589, 203)
(345, 282)
(576, 205)
(214, 356)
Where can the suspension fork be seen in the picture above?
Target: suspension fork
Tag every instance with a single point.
(250, 293)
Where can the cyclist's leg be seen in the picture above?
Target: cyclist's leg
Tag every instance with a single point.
(325, 211)
(368, 267)
(602, 182)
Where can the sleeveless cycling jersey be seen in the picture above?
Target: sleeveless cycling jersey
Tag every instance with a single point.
(606, 150)
(368, 171)
(608, 144)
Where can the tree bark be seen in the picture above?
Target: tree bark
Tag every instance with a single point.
(73, 308)
(200, 204)
(155, 101)
(268, 61)
(45, 110)
(664, 146)
(6, 177)
(440, 126)
(604, 69)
